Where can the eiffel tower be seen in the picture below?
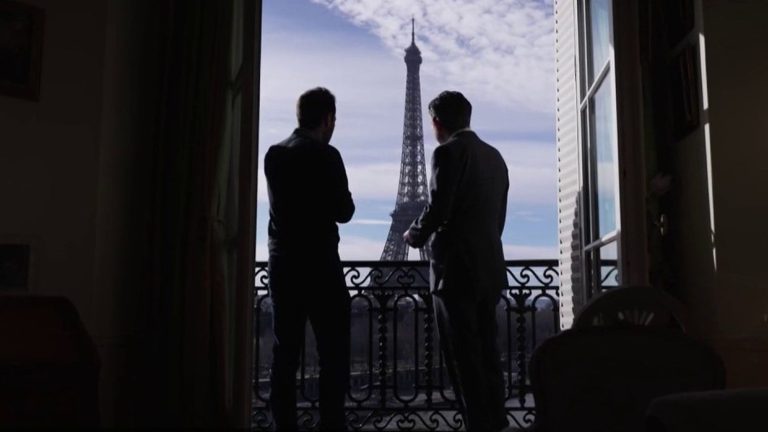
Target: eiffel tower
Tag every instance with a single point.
(412, 191)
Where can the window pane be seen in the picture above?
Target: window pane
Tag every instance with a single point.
(599, 27)
(603, 140)
(602, 268)
(583, 50)
(609, 267)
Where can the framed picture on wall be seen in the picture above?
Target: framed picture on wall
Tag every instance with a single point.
(684, 82)
(15, 263)
(681, 20)
(21, 47)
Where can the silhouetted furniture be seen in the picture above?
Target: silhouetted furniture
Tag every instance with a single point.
(723, 410)
(601, 379)
(49, 367)
(633, 305)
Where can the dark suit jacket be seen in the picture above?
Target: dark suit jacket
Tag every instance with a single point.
(308, 196)
(466, 213)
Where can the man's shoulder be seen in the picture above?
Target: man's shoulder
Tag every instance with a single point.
(467, 138)
(274, 150)
(444, 150)
(473, 138)
(279, 146)
(333, 151)
(301, 147)
(470, 140)
(487, 152)
(293, 141)
(489, 148)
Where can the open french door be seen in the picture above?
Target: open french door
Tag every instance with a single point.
(243, 98)
(600, 157)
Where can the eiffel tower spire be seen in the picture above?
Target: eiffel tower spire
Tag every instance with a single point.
(412, 191)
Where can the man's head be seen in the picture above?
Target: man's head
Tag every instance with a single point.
(450, 112)
(316, 112)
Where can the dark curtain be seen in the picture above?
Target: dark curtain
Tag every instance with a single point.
(187, 303)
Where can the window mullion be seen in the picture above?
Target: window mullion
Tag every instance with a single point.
(596, 85)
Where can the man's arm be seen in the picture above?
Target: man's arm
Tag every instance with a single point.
(441, 194)
(503, 212)
(343, 205)
(270, 172)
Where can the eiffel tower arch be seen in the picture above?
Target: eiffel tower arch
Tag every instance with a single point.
(412, 192)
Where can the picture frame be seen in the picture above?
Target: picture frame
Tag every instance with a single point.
(15, 267)
(681, 16)
(21, 48)
(684, 93)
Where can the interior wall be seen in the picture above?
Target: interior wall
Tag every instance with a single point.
(735, 38)
(686, 243)
(131, 95)
(50, 154)
(74, 176)
(692, 234)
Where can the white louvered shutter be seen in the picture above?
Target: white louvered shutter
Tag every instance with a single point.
(568, 167)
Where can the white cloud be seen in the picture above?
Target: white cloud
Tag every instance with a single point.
(367, 85)
(363, 248)
(526, 215)
(515, 252)
(499, 50)
(376, 181)
(370, 222)
(533, 180)
(532, 185)
(360, 248)
(367, 181)
(532, 171)
(350, 248)
(370, 88)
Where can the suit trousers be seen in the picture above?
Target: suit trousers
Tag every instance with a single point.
(314, 292)
(468, 330)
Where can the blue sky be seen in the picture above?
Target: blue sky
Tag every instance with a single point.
(499, 53)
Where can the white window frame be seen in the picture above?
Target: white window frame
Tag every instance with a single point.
(586, 92)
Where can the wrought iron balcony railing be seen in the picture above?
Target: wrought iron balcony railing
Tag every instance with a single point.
(398, 379)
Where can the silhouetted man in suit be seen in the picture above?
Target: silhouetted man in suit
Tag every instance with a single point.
(466, 213)
(308, 196)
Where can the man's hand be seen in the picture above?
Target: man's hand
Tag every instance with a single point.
(407, 238)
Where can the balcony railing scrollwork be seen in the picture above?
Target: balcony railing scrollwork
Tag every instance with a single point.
(398, 378)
